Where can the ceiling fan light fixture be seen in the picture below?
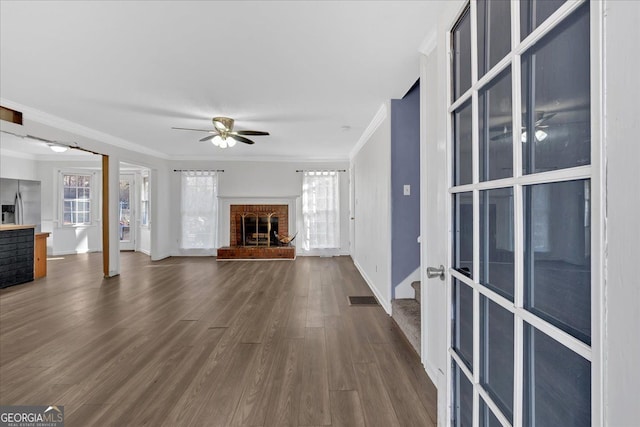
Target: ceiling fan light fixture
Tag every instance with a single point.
(230, 141)
(216, 140)
(541, 135)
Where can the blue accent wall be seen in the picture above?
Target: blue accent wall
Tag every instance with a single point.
(405, 169)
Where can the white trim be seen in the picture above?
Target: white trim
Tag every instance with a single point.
(158, 256)
(599, 248)
(62, 253)
(12, 128)
(463, 367)
(554, 20)
(263, 159)
(449, 137)
(561, 175)
(332, 252)
(494, 408)
(548, 25)
(553, 331)
(386, 305)
(375, 123)
(48, 119)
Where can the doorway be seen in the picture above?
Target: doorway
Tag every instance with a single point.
(127, 212)
(134, 208)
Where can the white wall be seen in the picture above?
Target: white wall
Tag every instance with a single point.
(622, 286)
(372, 171)
(261, 181)
(17, 167)
(63, 240)
(69, 240)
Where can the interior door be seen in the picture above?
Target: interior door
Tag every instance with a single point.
(126, 212)
(518, 227)
(434, 230)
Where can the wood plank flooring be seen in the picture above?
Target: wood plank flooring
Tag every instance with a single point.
(195, 342)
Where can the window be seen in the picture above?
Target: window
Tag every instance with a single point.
(320, 210)
(76, 199)
(144, 202)
(199, 209)
(521, 215)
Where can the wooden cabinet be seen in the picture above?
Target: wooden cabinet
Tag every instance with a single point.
(40, 256)
(16, 255)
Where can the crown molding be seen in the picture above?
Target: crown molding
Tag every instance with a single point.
(41, 117)
(375, 123)
(267, 159)
(429, 43)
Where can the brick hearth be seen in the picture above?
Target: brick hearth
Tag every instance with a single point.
(253, 252)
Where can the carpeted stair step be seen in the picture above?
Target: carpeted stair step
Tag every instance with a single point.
(406, 313)
(416, 286)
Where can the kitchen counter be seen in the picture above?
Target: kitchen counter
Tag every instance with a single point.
(4, 227)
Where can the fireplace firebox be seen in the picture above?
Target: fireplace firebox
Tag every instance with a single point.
(254, 231)
(259, 229)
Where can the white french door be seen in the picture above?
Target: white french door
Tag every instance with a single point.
(126, 213)
(521, 202)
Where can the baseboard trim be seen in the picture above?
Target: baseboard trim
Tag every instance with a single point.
(161, 256)
(386, 305)
(433, 373)
(62, 253)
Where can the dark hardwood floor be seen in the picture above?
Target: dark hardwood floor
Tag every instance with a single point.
(192, 341)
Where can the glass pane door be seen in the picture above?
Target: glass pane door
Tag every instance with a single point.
(126, 215)
(520, 175)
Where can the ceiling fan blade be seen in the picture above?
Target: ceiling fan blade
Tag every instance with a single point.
(249, 132)
(501, 136)
(197, 130)
(208, 138)
(243, 139)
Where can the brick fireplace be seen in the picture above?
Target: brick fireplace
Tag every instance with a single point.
(251, 232)
(279, 216)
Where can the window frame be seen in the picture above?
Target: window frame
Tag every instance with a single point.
(93, 197)
(338, 225)
(593, 172)
(145, 205)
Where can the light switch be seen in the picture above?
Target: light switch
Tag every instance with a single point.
(407, 190)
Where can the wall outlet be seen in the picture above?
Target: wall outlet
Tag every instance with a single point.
(407, 190)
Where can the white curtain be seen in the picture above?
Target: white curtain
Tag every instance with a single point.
(321, 210)
(199, 210)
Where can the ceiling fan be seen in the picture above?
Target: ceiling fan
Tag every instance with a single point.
(540, 118)
(223, 135)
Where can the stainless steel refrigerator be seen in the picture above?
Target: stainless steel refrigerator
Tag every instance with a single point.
(20, 201)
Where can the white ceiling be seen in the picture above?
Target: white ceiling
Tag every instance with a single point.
(312, 73)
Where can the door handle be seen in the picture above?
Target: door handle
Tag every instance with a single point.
(435, 272)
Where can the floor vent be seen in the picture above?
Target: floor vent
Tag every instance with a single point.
(363, 300)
